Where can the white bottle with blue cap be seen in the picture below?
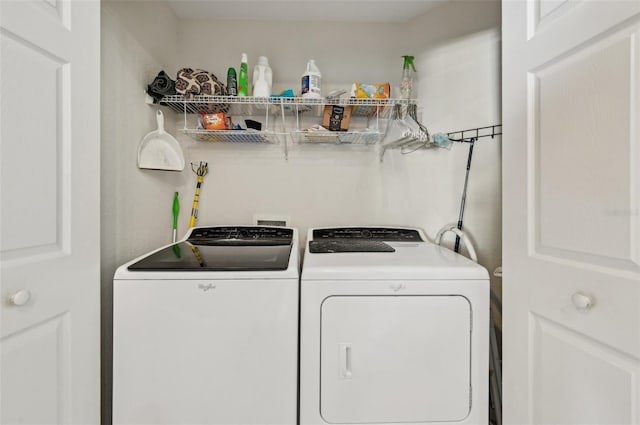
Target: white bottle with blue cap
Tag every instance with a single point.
(311, 81)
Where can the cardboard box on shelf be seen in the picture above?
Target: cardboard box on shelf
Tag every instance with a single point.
(214, 121)
(336, 118)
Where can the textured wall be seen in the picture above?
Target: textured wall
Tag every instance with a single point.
(136, 42)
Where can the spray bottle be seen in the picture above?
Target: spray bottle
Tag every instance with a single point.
(232, 82)
(243, 80)
(407, 77)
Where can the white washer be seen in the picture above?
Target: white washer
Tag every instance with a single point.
(394, 330)
(206, 330)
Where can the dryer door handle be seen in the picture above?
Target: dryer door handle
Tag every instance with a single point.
(345, 361)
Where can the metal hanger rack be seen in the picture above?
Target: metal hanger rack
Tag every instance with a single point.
(461, 136)
(470, 136)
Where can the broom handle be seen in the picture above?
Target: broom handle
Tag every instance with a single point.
(464, 195)
(194, 207)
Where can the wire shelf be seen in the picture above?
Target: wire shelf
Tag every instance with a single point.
(237, 105)
(250, 105)
(234, 136)
(337, 137)
(275, 109)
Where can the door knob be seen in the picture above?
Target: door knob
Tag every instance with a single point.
(582, 301)
(20, 298)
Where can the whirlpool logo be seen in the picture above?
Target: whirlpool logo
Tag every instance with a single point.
(396, 287)
(204, 287)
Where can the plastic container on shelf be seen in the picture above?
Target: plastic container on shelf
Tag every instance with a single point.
(311, 81)
(243, 80)
(406, 84)
(232, 82)
(262, 78)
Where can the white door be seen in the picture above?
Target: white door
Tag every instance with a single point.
(50, 217)
(571, 165)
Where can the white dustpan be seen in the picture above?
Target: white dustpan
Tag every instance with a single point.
(159, 150)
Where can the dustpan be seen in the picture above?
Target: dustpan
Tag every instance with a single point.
(159, 150)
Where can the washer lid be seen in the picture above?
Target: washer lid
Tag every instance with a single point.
(225, 248)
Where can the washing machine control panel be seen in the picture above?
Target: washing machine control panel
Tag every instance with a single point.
(376, 233)
(244, 233)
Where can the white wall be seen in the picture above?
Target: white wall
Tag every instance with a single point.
(136, 42)
(344, 52)
(457, 49)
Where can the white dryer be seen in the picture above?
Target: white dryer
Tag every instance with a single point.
(206, 330)
(394, 330)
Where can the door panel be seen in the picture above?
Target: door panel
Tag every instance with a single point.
(572, 99)
(542, 13)
(50, 217)
(45, 348)
(568, 364)
(571, 282)
(35, 205)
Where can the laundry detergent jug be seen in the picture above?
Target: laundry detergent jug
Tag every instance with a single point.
(311, 81)
(262, 78)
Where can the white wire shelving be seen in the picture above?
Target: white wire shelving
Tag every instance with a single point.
(249, 105)
(337, 137)
(277, 112)
(235, 136)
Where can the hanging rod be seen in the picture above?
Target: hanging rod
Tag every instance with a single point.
(469, 136)
(463, 136)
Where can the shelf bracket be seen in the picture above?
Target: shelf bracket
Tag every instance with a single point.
(471, 135)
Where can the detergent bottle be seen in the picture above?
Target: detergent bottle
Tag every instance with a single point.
(262, 78)
(406, 85)
(311, 81)
(243, 81)
(232, 82)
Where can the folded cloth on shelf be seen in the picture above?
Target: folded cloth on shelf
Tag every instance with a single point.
(161, 86)
(198, 81)
(191, 82)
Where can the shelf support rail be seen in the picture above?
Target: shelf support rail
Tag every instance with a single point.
(471, 135)
(284, 137)
(185, 114)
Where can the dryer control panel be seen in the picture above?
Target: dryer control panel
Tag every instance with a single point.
(241, 233)
(388, 234)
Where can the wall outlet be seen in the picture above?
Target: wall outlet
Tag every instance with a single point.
(271, 219)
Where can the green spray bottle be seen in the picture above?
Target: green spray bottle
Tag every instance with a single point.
(406, 85)
(243, 77)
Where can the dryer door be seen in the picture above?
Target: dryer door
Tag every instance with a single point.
(395, 359)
